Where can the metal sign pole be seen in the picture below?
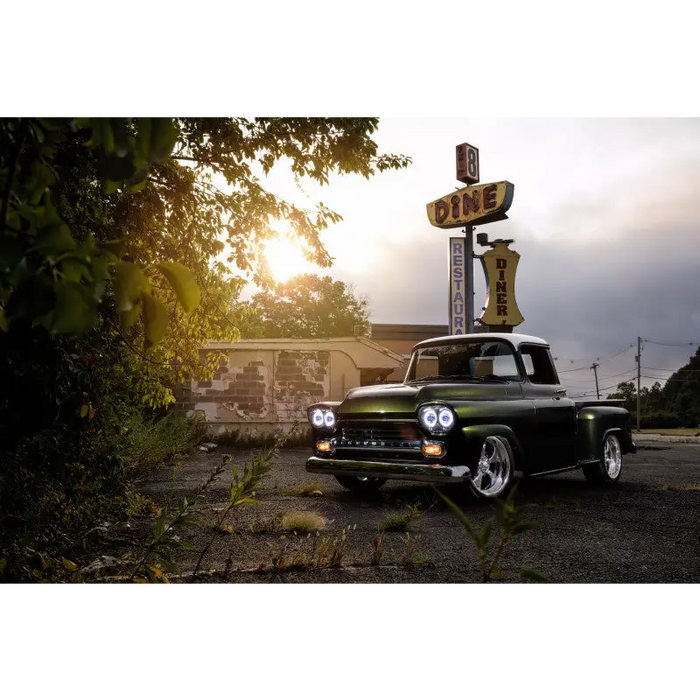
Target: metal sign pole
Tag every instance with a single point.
(469, 282)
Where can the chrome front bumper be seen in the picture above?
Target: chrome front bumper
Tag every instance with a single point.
(407, 471)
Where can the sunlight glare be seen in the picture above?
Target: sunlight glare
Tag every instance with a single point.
(286, 259)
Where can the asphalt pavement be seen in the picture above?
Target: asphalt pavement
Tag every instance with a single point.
(643, 529)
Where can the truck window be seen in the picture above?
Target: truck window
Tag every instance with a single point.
(538, 364)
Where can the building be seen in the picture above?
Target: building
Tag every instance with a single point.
(266, 384)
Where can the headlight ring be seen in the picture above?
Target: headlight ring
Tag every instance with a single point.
(323, 418)
(436, 419)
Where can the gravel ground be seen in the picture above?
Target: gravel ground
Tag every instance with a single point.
(644, 529)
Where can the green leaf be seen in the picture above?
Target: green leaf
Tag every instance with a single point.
(523, 527)
(137, 181)
(160, 524)
(143, 138)
(55, 121)
(102, 134)
(84, 410)
(115, 248)
(129, 283)
(163, 137)
(528, 574)
(53, 235)
(4, 323)
(183, 283)
(460, 516)
(74, 310)
(155, 319)
(486, 532)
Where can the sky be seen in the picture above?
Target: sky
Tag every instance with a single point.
(605, 216)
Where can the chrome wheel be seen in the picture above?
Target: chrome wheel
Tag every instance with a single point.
(494, 470)
(607, 470)
(612, 457)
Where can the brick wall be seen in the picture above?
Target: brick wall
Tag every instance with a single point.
(259, 389)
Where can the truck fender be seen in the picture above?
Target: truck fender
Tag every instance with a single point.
(474, 436)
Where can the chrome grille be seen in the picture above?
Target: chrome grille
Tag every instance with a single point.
(403, 436)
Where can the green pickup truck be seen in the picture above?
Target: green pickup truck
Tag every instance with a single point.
(473, 409)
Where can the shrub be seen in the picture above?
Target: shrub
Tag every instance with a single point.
(301, 521)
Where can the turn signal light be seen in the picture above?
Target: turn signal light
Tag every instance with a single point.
(431, 449)
(323, 446)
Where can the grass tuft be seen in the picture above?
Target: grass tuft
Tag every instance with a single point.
(310, 488)
(301, 521)
(400, 521)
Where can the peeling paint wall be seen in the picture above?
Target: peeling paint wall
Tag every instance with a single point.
(261, 389)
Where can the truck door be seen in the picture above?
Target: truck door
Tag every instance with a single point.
(553, 438)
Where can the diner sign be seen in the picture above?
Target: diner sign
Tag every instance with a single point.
(500, 264)
(479, 204)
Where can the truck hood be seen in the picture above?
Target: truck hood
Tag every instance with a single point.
(406, 398)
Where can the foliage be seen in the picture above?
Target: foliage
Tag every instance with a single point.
(301, 521)
(675, 405)
(309, 488)
(378, 549)
(511, 522)
(233, 437)
(307, 306)
(157, 556)
(400, 521)
(155, 440)
(243, 488)
(318, 552)
(114, 272)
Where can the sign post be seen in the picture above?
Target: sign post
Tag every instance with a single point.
(469, 206)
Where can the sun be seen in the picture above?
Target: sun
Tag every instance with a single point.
(286, 259)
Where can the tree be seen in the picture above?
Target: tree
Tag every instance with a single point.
(308, 306)
(627, 392)
(110, 223)
(682, 392)
(114, 271)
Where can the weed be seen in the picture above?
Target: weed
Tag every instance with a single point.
(400, 521)
(151, 442)
(301, 521)
(296, 437)
(317, 552)
(412, 547)
(377, 549)
(310, 488)
(260, 525)
(511, 522)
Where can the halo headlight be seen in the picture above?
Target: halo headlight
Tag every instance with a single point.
(329, 419)
(436, 419)
(316, 418)
(446, 418)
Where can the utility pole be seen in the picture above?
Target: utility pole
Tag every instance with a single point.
(594, 367)
(639, 381)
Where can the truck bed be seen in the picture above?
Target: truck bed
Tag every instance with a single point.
(582, 403)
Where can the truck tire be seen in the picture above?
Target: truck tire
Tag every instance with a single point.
(608, 470)
(494, 472)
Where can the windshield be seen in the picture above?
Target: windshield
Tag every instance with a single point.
(476, 359)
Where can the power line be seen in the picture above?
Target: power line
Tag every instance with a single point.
(664, 369)
(610, 376)
(593, 391)
(592, 359)
(671, 345)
